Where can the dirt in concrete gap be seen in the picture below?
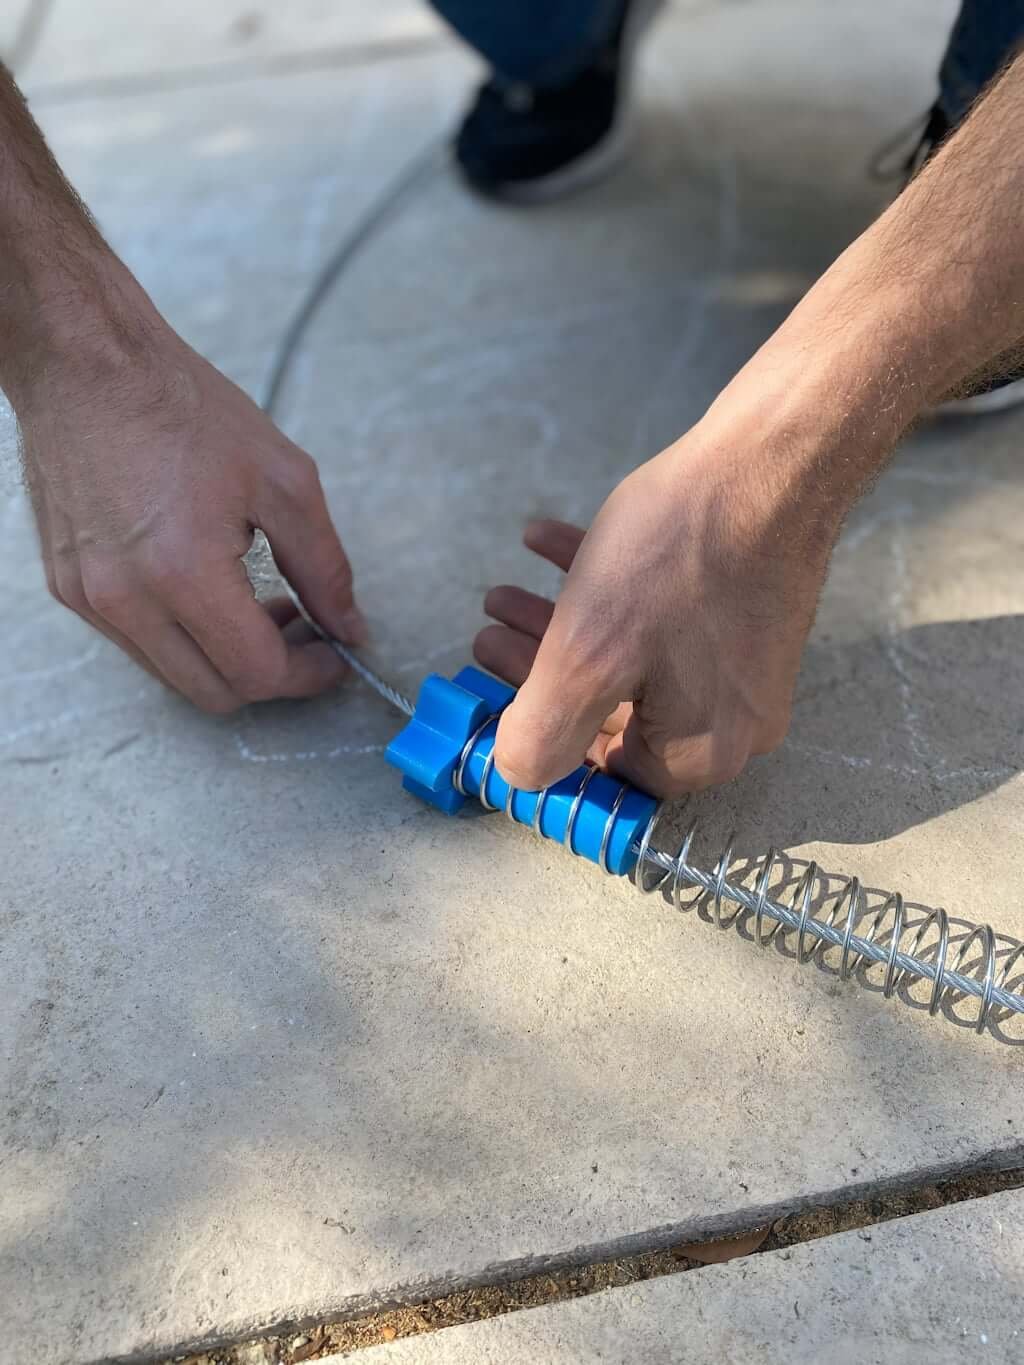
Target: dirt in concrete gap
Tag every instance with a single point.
(488, 1301)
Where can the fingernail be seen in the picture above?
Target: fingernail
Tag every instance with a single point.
(353, 628)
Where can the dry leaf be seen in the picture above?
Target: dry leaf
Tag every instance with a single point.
(712, 1253)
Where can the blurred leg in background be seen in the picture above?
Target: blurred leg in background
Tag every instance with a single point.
(551, 116)
(533, 42)
(986, 35)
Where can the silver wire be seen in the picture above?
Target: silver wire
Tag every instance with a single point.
(380, 685)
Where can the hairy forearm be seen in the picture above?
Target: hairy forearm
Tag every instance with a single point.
(953, 243)
(64, 296)
(930, 294)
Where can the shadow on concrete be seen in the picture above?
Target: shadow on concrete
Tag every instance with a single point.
(290, 1009)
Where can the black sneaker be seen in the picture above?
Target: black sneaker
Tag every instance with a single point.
(995, 392)
(529, 144)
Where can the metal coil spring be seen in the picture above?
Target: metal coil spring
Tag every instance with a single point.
(458, 782)
(984, 980)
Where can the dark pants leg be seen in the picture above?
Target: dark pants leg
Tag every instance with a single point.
(543, 42)
(539, 42)
(986, 35)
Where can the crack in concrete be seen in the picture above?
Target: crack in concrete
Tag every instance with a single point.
(30, 30)
(197, 77)
(535, 1281)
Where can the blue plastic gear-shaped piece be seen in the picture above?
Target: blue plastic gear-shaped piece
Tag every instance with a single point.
(452, 732)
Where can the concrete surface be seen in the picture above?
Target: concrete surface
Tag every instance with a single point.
(941, 1287)
(108, 40)
(277, 1041)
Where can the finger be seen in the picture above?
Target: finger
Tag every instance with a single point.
(64, 580)
(245, 646)
(548, 729)
(73, 597)
(509, 654)
(185, 666)
(123, 643)
(596, 754)
(290, 622)
(129, 603)
(523, 611)
(556, 541)
(618, 720)
(309, 554)
(281, 610)
(687, 764)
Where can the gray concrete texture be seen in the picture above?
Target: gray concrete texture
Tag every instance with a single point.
(940, 1287)
(277, 1040)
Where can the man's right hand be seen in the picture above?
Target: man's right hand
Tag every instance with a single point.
(148, 472)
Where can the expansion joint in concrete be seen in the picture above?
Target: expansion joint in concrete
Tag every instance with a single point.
(148, 83)
(506, 1289)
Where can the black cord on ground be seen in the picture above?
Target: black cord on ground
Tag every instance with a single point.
(26, 40)
(414, 174)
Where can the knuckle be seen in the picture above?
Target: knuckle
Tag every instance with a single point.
(107, 589)
(298, 478)
(53, 586)
(66, 587)
(262, 684)
(336, 574)
(499, 599)
(166, 566)
(218, 703)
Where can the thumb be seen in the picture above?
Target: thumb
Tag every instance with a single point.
(547, 730)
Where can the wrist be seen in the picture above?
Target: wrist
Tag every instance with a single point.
(813, 417)
(84, 321)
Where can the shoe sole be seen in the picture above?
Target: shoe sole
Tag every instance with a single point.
(605, 155)
(982, 404)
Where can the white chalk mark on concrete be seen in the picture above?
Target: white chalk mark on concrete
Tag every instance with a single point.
(919, 742)
(250, 755)
(66, 717)
(908, 771)
(72, 665)
(438, 652)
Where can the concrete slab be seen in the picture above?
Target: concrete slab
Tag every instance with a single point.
(942, 1287)
(110, 39)
(281, 1042)
(15, 22)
